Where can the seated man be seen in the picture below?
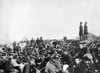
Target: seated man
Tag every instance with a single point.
(30, 67)
(7, 64)
(53, 66)
(15, 64)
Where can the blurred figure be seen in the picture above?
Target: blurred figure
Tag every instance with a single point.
(81, 31)
(53, 66)
(85, 31)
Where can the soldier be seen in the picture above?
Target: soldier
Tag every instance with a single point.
(53, 66)
(86, 31)
(81, 31)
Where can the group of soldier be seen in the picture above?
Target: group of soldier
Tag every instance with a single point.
(40, 56)
(52, 56)
(83, 33)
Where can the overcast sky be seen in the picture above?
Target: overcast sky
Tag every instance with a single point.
(47, 18)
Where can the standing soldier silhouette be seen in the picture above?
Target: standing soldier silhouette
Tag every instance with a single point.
(81, 31)
(86, 31)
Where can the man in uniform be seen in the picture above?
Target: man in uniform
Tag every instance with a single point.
(81, 31)
(86, 31)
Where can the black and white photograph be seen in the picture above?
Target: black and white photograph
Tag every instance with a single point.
(49, 36)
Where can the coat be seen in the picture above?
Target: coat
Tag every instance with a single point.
(53, 67)
(80, 68)
(27, 68)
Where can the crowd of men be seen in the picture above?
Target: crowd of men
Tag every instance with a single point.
(51, 56)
